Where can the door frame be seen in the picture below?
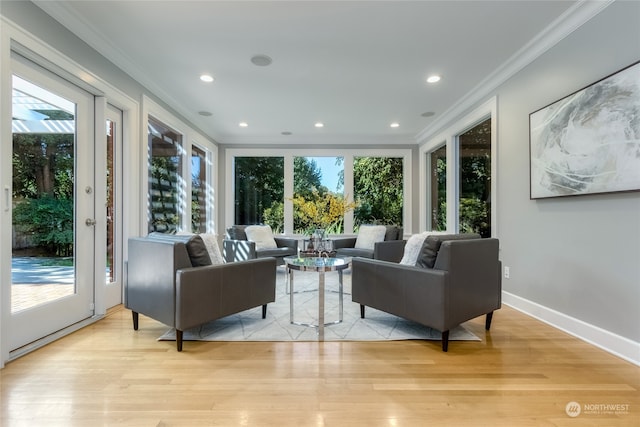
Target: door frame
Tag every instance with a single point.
(12, 37)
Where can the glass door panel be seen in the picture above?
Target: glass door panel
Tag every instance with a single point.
(113, 225)
(52, 205)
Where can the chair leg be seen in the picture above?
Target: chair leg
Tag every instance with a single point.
(179, 339)
(445, 341)
(264, 311)
(487, 323)
(362, 311)
(135, 320)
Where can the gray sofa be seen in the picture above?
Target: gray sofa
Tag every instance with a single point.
(456, 278)
(389, 250)
(236, 247)
(169, 280)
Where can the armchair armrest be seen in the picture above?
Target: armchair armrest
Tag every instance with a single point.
(286, 242)
(389, 250)
(344, 242)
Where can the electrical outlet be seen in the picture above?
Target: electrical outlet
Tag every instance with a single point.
(507, 272)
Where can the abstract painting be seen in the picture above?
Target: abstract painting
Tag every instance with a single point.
(588, 142)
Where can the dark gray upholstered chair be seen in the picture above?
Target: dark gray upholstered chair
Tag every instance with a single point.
(456, 278)
(389, 250)
(170, 279)
(236, 247)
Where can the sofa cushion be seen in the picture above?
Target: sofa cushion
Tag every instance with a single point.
(197, 251)
(431, 246)
(369, 235)
(262, 236)
(211, 243)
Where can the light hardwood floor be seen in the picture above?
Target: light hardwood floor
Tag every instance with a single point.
(523, 373)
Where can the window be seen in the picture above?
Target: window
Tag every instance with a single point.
(165, 177)
(474, 160)
(438, 189)
(259, 191)
(198, 190)
(378, 190)
(318, 199)
(298, 190)
(458, 178)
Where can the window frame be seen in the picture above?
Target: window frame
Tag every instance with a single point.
(449, 137)
(190, 137)
(290, 153)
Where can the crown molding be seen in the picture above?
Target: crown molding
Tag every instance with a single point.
(572, 19)
(319, 140)
(63, 13)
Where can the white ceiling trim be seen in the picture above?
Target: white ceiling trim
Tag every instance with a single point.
(318, 141)
(62, 12)
(564, 25)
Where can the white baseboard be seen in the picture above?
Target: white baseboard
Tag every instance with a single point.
(615, 344)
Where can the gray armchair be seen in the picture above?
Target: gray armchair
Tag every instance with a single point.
(169, 281)
(388, 250)
(236, 247)
(457, 280)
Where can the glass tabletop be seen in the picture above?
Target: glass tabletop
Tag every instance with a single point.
(317, 263)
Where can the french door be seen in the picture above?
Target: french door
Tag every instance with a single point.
(52, 204)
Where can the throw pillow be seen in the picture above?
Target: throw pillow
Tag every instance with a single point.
(431, 246)
(197, 252)
(369, 235)
(412, 248)
(262, 236)
(211, 242)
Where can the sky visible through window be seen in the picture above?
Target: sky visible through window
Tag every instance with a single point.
(329, 172)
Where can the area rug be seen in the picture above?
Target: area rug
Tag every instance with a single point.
(376, 326)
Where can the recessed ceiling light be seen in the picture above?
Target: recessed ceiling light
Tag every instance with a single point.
(319, 125)
(206, 78)
(394, 125)
(261, 60)
(243, 124)
(428, 114)
(433, 79)
(205, 113)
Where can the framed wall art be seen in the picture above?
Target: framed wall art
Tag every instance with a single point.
(588, 142)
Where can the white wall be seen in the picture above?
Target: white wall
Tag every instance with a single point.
(579, 256)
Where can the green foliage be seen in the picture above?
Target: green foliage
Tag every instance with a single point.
(43, 164)
(274, 216)
(378, 188)
(49, 221)
(259, 183)
(474, 217)
(307, 178)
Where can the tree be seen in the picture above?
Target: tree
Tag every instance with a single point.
(378, 188)
(259, 185)
(307, 178)
(43, 190)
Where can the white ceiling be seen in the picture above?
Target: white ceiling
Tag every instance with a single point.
(356, 66)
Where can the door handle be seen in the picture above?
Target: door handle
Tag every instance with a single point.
(6, 198)
(90, 222)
